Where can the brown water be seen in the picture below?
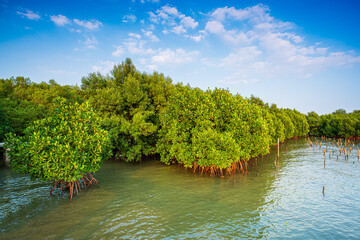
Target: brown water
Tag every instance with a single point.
(152, 200)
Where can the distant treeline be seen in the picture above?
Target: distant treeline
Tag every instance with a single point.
(147, 114)
(337, 124)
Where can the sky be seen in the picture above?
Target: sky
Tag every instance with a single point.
(296, 54)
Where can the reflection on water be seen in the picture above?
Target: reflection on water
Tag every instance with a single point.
(152, 200)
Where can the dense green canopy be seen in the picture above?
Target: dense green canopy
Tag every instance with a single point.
(147, 114)
(217, 129)
(130, 103)
(64, 147)
(22, 101)
(337, 124)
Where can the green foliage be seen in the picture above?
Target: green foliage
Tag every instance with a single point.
(64, 146)
(20, 113)
(212, 128)
(4, 126)
(92, 82)
(337, 124)
(130, 103)
(146, 114)
(23, 101)
(314, 121)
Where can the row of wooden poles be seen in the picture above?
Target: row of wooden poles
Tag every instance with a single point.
(343, 146)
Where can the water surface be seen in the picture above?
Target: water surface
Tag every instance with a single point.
(152, 200)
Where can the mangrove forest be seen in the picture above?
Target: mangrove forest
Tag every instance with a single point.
(63, 133)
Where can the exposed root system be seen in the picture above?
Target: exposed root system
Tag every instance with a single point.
(74, 186)
(239, 166)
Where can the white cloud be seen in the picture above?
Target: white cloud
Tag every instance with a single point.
(214, 27)
(150, 35)
(170, 17)
(189, 22)
(236, 38)
(60, 20)
(118, 52)
(151, 67)
(261, 46)
(91, 25)
(129, 18)
(238, 78)
(197, 38)
(104, 67)
(241, 56)
(257, 13)
(179, 29)
(152, 58)
(171, 57)
(29, 15)
(74, 30)
(153, 17)
(231, 36)
(90, 42)
(151, 1)
(169, 11)
(135, 35)
(134, 46)
(255, 21)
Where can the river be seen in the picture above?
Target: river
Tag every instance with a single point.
(155, 201)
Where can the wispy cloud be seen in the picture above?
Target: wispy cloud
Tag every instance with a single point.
(91, 24)
(29, 15)
(174, 57)
(145, 1)
(152, 58)
(135, 35)
(90, 42)
(171, 18)
(103, 67)
(150, 35)
(262, 46)
(129, 18)
(60, 20)
(118, 52)
(137, 46)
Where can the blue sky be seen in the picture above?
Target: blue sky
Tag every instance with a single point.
(297, 54)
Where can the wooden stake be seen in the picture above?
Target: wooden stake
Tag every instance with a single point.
(323, 191)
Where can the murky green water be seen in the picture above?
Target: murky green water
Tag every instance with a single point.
(152, 200)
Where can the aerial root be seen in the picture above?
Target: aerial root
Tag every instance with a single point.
(74, 186)
(238, 166)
